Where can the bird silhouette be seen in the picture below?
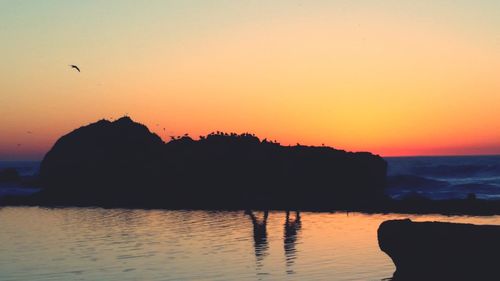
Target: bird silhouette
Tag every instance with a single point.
(75, 67)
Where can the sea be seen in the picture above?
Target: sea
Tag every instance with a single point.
(446, 177)
(39, 243)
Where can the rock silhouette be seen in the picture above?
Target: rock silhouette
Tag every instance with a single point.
(441, 251)
(9, 175)
(122, 163)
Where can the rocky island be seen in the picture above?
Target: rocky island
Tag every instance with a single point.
(121, 163)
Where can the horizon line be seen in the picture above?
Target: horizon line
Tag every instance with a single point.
(393, 156)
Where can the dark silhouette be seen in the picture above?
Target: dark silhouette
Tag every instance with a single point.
(290, 236)
(9, 175)
(471, 196)
(441, 251)
(75, 67)
(259, 235)
(122, 163)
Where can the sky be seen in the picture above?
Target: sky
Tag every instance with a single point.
(391, 77)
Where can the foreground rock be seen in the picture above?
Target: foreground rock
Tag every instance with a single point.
(441, 251)
(122, 163)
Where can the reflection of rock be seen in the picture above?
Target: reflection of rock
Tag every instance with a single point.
(441, 251)
(122, 163)
(292, 227)
(259, 234)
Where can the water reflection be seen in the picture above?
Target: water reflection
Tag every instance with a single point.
(292, 227)
(159, 245)
(259, 235)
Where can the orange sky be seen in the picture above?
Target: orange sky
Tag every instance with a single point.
(394, 78)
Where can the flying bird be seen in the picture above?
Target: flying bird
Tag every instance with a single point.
(75, 67)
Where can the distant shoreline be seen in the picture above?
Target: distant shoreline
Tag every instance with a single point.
(385, 157)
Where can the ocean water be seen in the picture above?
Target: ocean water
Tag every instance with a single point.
(24, 168)
(120, 244)
(27, 170)
(444, 177)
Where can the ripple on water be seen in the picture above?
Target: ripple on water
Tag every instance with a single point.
(120, 244)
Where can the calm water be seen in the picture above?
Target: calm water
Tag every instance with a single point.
(119, 244)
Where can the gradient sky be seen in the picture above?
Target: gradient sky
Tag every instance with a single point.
(391, 77)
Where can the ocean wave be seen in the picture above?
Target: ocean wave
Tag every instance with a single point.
(414, 181)
(467, 170)
(444, 177)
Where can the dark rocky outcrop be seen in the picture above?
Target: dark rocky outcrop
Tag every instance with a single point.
(122, 163)
(102, 162)
(9, 175)
(441, 251)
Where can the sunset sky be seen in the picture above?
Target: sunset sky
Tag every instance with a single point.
(390, 77)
